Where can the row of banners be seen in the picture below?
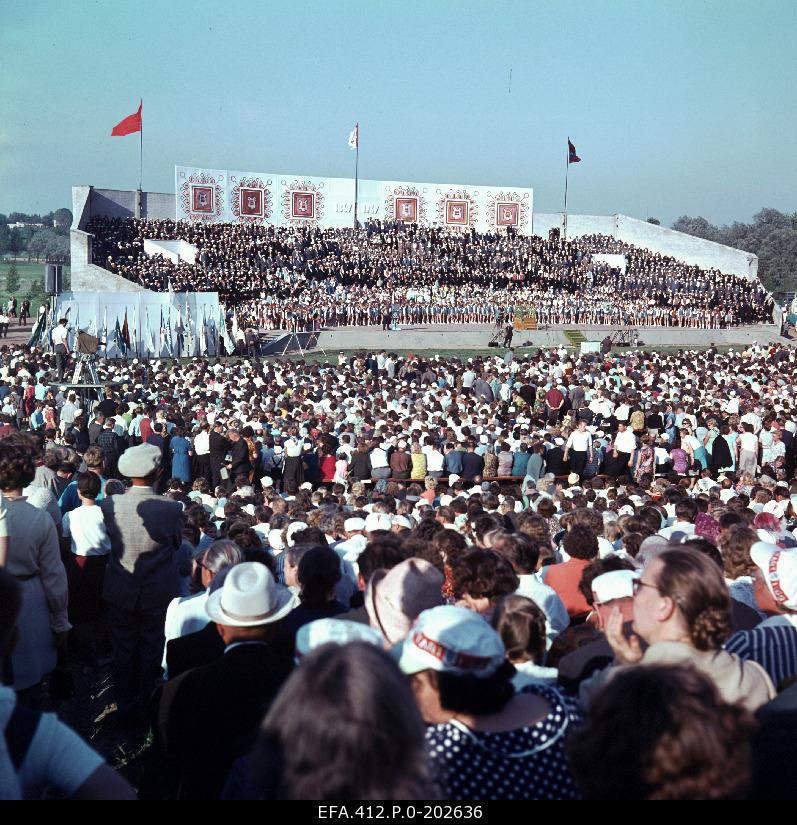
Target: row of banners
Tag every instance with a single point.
(221, 196)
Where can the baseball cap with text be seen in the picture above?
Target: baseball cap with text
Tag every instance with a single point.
(451, 639)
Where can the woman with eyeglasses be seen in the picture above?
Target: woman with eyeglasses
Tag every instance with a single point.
(682, 616)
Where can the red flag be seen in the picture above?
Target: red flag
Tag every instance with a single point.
(572, 157)
(132, 123)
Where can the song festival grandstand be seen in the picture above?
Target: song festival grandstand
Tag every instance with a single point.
(277, 258)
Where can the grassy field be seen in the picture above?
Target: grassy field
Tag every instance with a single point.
(28, 272)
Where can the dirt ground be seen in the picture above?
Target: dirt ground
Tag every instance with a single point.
(91, 712)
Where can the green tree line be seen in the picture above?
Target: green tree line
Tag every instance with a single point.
(772, 235)
(47, 242)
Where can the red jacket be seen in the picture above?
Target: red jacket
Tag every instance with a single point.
(564, 579)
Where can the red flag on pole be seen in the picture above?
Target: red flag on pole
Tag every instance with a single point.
(132, 123)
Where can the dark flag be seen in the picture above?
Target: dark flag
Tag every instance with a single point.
(126, 332)
(572, 157)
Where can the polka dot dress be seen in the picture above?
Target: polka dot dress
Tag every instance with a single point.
(528, 763)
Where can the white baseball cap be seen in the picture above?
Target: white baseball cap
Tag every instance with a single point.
(333, 631)
(779, 567)
(451, 639)
(377, 521)
(617, 584)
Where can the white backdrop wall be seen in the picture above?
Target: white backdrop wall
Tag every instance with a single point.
(88, 311)
(219, 195)
(175, 251)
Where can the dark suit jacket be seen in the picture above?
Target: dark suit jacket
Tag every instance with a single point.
(210, 716)
(554, 462)
(194, 650)
(239, 458)
(218, 447)
(775, 748)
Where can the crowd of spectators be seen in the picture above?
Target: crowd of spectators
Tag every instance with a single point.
(540, 577)
(403, 273)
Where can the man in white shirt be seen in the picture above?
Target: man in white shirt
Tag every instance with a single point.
(68, 412)
(684, 526)
(624, 440)
(751, 417)
(579, 448)
(60, 337)
(202, 451)
(434, 461)
(380, 468)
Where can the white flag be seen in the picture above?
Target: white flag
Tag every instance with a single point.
(203, 339)
(149, 341)
(229, 345)
(354, 137)
(190, 338)
(77, 328)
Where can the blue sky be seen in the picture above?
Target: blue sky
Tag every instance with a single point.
(679, 107)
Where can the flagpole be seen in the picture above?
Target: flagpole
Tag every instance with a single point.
(141, 156)
(567, 169)
(356, 173)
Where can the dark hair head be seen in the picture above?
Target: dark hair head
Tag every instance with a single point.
(686, 509)
(427, 529)
(382, 553)
(521, 626)
(695, 583)
(318, 573)
(484, 574)
(705, 547)
(17, 461)
(311, 535)
(472, 694)
(88, 485)
(678, 739)
(580, 542)
(450, 544)
(363, 740)
(519, 550)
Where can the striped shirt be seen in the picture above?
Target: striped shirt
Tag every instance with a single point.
(772, 644)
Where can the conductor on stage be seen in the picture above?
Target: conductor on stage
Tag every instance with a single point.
(509, 331)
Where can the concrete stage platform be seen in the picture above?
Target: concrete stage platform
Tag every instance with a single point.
(476, 336)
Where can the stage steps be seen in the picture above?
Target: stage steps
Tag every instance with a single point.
(575, 337)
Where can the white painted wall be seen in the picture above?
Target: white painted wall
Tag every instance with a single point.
(687, 248)
(614, 261)
(175, 251)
